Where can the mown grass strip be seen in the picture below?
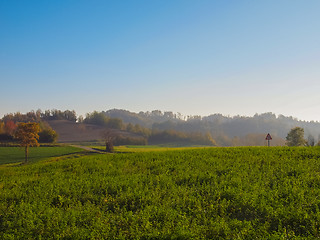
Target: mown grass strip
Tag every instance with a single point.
(10, 155)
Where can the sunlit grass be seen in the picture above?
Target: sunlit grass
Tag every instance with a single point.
(147, 148)
(212, 193)
(12, 155)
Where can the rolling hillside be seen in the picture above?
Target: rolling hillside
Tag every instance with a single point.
(69, 131)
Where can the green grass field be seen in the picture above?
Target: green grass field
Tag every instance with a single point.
(212, 193)
(149, 148)
(16, 154)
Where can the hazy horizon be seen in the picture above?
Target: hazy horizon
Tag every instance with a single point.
(196, 58)
(183, 116)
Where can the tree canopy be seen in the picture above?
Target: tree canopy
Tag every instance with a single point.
(296, 137)
(27, 134)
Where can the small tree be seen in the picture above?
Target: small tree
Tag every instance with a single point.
(296, 137)
(311, 141)
(48, 136)
(27, 134)
(109, 137)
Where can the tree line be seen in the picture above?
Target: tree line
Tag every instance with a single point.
(158, 127)
(39, 115)
(9, 126)
(226, 130)
(149, 136)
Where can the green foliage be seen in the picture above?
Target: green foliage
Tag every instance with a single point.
(96, 118)
(146, 132)
(19, 117)
(213, 193)
(296, 137)
(59, 115)
(167, 136)
(48, 136)
(114, 123)
(120, 140)
(225, 130)
(38, 116)
(130, 127)
(101, 119)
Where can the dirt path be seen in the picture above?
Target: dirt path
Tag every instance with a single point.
(88, 148)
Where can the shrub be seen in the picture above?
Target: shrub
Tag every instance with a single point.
(48, 136)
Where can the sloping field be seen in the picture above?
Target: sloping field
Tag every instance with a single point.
(213, 193)
(69, 131)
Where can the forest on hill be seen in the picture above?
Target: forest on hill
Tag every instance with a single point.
(226, 130)
(157, 127)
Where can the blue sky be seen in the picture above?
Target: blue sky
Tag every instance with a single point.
(192, 57)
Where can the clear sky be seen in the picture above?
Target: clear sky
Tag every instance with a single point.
(193, 57)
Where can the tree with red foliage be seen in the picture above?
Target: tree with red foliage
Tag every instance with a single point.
(10, 127)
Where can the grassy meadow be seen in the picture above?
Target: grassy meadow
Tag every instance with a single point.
(150, 148)
(207, 193)
(10, 155)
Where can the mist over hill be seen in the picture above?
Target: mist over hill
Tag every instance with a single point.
(229, 128)
(157, 127)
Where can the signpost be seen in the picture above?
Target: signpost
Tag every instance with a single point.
(268, 137)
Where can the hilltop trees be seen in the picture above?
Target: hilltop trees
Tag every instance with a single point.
(217, 124)
(156, 126)
(27, 134)
(39, 116)
(59, 115)
(8, 125)
(296, 137)
(101, 119)
(96, 119)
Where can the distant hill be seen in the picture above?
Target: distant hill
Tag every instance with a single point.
(69, 131)
(157, 126)
(145, 119)
(218, 125)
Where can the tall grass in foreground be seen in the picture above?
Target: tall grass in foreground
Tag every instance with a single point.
(217, 193)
